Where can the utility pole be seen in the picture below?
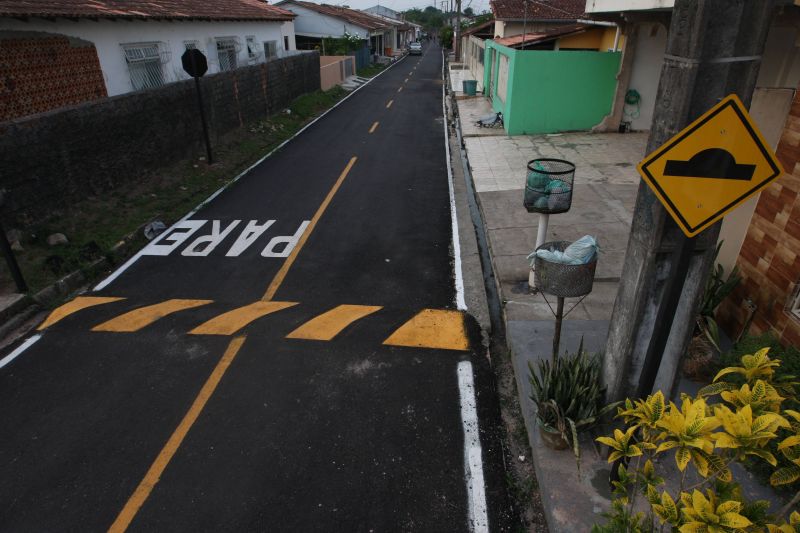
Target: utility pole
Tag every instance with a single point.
(714, 49)
(457, 32)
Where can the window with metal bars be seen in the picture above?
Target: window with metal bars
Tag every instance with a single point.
(226, 54)
(144, 65)
(252, 52)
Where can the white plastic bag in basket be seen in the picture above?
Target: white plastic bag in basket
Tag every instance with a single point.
(579, 252)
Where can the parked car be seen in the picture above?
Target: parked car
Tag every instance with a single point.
(415, 49)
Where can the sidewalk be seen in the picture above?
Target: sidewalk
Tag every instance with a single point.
(605, 189)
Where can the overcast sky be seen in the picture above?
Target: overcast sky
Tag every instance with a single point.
(478, 6)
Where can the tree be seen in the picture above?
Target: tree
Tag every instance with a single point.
(468, 12)
(431, 19)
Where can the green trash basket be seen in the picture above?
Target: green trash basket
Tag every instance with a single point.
(470, 87)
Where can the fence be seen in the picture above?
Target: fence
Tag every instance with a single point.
(335, 69)
(363, 58)
(56, 157)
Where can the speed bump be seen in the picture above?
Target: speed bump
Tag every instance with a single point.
(432, 328)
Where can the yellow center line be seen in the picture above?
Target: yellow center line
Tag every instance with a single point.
(374, 127)
(400, 89)
(153, 475)
(389, 104)
(405, 81)
(281, 275)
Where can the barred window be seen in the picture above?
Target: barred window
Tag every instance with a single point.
(144, 65)
(190, 45)
(252, 52)
(226, 54)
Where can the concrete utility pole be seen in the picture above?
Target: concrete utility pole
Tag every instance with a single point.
(457, 32)
(714, 49)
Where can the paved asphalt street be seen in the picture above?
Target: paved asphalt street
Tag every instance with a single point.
(290, 357)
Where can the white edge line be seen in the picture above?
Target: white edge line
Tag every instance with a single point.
(21, 348)
(473, 461)
(125, 266)
(458, 276)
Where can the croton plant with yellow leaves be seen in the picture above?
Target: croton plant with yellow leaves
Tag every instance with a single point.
(724, 423)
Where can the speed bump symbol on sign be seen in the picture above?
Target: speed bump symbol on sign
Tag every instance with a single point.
(710, 167)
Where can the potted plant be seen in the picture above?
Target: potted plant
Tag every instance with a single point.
(568, 397)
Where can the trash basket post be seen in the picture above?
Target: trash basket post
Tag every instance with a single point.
(541, 235)
(557, 332)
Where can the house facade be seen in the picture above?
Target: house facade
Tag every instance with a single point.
(138, 45)
(762, 236)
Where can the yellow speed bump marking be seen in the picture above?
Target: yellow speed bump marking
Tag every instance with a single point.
(432, 328)
(389, 104)
(78, 304)
(329, 324)
(232, 321)
(374, 127)
(144, 316)
(153, 475)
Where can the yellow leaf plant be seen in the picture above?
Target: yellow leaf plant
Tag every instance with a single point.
(722, 424)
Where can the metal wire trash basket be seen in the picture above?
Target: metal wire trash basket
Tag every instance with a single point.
(548, 186)
(558, 279)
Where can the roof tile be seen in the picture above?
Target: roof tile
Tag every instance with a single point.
(142, 9)
(538, 9)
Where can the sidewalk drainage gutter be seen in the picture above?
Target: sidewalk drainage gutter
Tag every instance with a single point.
(489, 280)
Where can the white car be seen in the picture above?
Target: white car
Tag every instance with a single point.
(415, 49)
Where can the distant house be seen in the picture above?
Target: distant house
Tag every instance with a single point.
(513, 17)
(473, 49)
(383, 11)
(70, 51)
(315, 22)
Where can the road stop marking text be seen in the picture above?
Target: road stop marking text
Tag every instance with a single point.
(240, 234)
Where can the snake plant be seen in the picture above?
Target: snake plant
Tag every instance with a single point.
(568, 394)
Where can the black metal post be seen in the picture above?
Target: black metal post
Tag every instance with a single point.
(8, 253)
(203, 119)
(671, 295)
(557, 332)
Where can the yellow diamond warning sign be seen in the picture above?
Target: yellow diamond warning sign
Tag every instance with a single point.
(713, 165)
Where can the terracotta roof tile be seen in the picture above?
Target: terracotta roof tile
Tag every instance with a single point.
(359, 18)
(538, 9)
(142, 9)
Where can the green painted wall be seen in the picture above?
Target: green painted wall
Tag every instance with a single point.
(552, 91)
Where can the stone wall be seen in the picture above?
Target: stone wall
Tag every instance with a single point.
(53, 158)
(769, 260)
(42, 73)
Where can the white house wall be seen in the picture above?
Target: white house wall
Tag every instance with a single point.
(603, 6)
(109, 36)
(310, 23)
(651, 43)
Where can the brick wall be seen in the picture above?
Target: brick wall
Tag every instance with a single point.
(770, 257)
(59, 156)
(42, 73)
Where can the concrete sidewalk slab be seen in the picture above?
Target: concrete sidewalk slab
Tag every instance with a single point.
(574, 497)
(470, 110)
